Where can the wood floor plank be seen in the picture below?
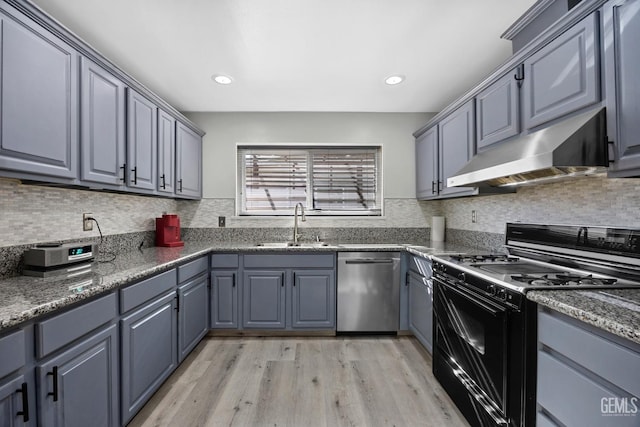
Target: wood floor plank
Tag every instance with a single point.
(291, 381)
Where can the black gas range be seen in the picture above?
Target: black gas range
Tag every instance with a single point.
(485, 328)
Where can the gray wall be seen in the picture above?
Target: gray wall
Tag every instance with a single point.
(391, 130)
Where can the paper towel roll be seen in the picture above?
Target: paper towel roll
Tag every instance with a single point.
(437, 229)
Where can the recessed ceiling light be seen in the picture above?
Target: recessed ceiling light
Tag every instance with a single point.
(222, 79)
(394, 80)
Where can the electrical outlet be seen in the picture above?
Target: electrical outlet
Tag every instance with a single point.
(474, 217)
(222, 221)
(87, 224)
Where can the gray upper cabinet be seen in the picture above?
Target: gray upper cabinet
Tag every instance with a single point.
(497, 111)
(427, 164)
(79, 387)
(264, 299)
(166, 152)
(102, 119)
(188, 163)
(563, 76)
(314, 299)
(142, 142)
(622, 68)
(39, 108)
(456, 142)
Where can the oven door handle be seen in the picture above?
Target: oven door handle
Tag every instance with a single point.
(475, 299)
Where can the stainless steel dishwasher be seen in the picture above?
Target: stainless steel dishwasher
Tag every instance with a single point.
(368, 291)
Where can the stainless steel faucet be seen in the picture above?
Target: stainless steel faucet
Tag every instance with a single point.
(296, 235)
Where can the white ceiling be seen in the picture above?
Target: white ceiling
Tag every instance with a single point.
(298, 55)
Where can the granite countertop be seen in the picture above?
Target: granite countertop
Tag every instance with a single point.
(23, 298)
(613, 310)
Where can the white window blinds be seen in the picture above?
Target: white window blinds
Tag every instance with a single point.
(326, 180)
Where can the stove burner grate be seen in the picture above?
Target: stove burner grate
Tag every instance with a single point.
(563, 279)
(483, 258)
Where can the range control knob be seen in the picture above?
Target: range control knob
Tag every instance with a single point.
(462, 277)
(502, 294)
(491, 289)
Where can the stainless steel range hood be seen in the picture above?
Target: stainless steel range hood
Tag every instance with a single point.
(574, 147)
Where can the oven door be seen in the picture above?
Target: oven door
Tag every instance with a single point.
(470, 351)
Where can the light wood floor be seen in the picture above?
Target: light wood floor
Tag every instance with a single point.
(329, 381)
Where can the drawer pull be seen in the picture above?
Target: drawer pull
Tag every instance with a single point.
(54, 393)
(25, 403)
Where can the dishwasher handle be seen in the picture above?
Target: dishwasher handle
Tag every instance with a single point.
(369, 261)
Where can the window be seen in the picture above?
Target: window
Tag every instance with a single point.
(326, 180)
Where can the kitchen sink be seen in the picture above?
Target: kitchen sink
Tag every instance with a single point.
(292, 244)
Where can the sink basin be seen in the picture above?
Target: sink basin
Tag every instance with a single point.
(292, 244)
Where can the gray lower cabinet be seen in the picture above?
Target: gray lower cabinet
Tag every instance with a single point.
(142, 142)
(263, 299)
(149, 351)
(166, 152)
(313, 299)
(498, 111)
(421, 309)
(79, 387)
(102, 120)
(622, 68)
(188, 163)
(456, 146)
(39, 108)
(193, 314)
(427, 181)
(564, 75)
(584, 376)
(224, 299)
(14, 403)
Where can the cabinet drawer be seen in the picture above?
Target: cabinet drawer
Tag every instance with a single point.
(12, 353)
(572, 340)
(134, 295)
(64, 328)
(224, 261)
(289, 261)
(192, 269)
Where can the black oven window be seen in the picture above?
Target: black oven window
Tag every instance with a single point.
(469, 329)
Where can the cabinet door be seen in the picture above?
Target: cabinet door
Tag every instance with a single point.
(193, 314)
(497, 111)
(224, 299)
(314, 299)
(427, 164)
(263, 295)
(456, 143)
(38, 112)
(622, 62)
(188, 163)
(80, 387)
(421, 310)
(166, 152)
(14, 403)
(142, 141)
(102, 124)
(563, 76)
(149, 352)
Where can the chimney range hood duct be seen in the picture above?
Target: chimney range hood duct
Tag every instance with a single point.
(573, 147)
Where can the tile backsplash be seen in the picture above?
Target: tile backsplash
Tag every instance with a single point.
(35, 214)
(587, 201)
